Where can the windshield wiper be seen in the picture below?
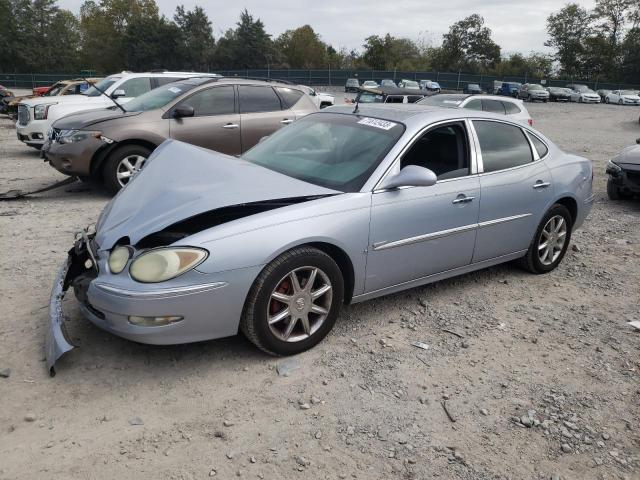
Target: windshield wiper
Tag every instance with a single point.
(108, 96)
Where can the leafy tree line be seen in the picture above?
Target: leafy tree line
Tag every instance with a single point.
(602, 43)
(113, 35)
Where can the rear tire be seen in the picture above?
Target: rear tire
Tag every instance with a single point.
(116, 165)
(273, 294)
(549, 233)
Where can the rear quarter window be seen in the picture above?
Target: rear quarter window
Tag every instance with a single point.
(539, 145)
(511, 108)
(289, 96)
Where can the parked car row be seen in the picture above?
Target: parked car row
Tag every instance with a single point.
(353, 85)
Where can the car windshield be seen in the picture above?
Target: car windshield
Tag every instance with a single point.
(102, 85)
(535, 86)
(333, 150)
(158, 97)
(369, 83)
(588, 90)
(451, 101)
(352, 81)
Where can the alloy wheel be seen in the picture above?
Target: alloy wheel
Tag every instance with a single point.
(128, 167)
(552, 240)
(299, 304)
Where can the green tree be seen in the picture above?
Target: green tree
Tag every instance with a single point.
(152, 43)
(248, 46)
(302, 48)
(388, 53)
(8, 37)
(468, 46)
(568, 30)
(196, 38)
(103, 27)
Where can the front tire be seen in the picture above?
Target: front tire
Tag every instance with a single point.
(122, 164)
(550, 241)
(294, 302)
(613, 191)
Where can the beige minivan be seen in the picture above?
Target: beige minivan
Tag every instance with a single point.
(229, 115)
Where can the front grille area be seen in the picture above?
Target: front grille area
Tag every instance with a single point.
(23, 114)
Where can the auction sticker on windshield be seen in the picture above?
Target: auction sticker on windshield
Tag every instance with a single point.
(174, 89)
(375, 122)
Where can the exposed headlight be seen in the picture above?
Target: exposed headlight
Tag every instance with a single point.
(40, 112)
(73, 136)
(119, 258)
(165, 263)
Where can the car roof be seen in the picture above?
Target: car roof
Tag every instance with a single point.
(413, 114)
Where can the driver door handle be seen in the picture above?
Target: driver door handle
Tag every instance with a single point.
(541, 184)
(463, 200)
(231, 125)
(287, 121)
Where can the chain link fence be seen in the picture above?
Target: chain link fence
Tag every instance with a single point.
(447, 80)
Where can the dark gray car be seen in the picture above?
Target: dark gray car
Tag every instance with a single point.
(222, 114)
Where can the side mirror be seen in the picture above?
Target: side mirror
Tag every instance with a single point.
(182, 111)
(118, 93)
(411, 176)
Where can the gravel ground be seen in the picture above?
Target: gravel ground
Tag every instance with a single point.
(540, 373)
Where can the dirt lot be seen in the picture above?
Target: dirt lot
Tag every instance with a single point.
(540, 373)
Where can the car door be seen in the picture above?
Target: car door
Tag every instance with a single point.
(261, 113)
(516, 187)
(215, 123)
(419, 231)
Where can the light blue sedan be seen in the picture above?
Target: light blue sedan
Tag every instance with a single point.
(342, 206)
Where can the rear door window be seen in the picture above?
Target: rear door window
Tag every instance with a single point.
(475, 104)
(255, 99)
(502, 145)
(212, 101)
(493, 106)
(135, 86)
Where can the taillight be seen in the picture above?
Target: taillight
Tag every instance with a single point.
(530, 122)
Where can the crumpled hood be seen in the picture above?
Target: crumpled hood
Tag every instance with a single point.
(87, 118)
(628, 156)
(180, 180)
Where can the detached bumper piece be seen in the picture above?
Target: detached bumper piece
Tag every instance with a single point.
(57, 343)
(78, 263)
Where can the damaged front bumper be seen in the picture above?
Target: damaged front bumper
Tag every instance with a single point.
(80, 260)
(57, 342)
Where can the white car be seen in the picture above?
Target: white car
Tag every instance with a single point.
(36, 115)
(623, 97)
(511, 107)
(370, 84)
(321, 99)
(583, 94)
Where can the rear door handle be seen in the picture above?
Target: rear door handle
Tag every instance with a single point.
(287, 121)
(464, 199)
(541, 184)
(231, 125)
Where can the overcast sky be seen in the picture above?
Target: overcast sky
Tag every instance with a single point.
(517, 25)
